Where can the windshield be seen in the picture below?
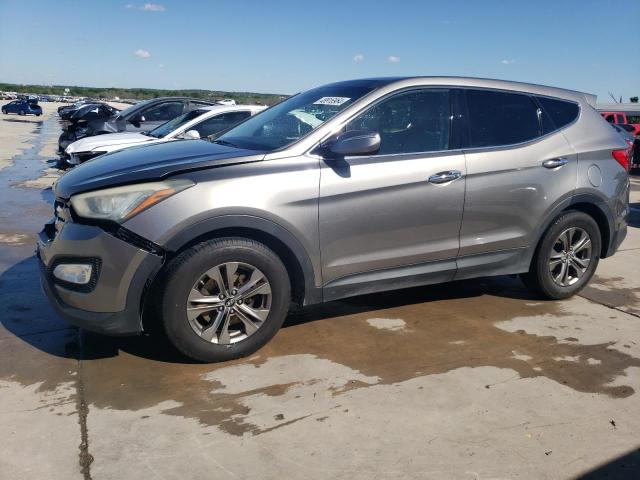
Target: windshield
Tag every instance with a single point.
(132, 108)
(172, 125)
(293, 118)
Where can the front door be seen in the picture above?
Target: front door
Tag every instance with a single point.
(396, 213)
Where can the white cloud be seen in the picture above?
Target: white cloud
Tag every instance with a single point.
(393, 59)
(358, 57)
(507, 62)
(161, 65)
(142, 53)
(152, 7)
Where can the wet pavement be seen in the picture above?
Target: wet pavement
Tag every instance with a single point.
(473, 379)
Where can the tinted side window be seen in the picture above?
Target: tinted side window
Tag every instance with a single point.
(220, 123)
(500, 118)
(411, 122)
(557, 113)
(163, 112)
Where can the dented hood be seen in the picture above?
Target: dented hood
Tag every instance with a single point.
(148, 163)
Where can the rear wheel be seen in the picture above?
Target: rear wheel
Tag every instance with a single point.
(224, 299)
(566, 257)
(22, 112)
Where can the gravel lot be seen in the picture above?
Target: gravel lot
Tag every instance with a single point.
(467, 380)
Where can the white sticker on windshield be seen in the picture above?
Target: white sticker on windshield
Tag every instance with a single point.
(331, 101)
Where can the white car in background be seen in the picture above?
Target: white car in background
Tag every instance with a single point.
(192, 125)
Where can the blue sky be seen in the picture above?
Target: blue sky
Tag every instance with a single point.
(286, 46)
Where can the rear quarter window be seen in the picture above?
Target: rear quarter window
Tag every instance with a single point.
(501, 118)
(557, 113)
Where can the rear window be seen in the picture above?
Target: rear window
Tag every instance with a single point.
(501, 118)
(557, 113)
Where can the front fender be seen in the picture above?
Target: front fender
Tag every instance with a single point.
(202, 228)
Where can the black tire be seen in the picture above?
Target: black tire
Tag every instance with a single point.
(4, 112)
(22, 112)
(183, 272)
(539, 278)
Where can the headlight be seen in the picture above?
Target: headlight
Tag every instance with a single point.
(121, 203)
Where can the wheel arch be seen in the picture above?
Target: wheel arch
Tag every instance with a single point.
(600, 217)
(590, 204)
(276, 237)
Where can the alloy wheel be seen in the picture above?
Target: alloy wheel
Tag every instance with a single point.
(229, 303)
(570, 256)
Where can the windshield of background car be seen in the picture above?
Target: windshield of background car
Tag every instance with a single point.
(125, 113)
(292, 119)
(168, 127)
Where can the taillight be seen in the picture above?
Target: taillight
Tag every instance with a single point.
(623, 157)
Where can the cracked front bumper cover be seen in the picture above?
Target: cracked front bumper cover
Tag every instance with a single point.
(113, 306)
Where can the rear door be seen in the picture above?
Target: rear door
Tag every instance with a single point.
(394, 212)
(518, 168)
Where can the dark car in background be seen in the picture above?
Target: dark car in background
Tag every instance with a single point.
(89, 111)
(22, 107)
(74, 106)
(143, 116)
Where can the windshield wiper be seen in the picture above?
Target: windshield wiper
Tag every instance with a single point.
(224, 142)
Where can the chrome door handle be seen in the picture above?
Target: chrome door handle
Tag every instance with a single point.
(445, 177)
(555, 162)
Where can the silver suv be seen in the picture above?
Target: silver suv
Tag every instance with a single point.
(346, 189)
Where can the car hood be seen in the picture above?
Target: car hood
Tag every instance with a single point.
(149, 162)
(109, 140)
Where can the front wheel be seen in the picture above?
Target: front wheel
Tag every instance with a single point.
(4, 112)
(224, 299)
(566, 257)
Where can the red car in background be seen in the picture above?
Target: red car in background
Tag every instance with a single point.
(621, 118)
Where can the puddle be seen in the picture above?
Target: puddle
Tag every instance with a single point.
(26, 209)
(330, 350)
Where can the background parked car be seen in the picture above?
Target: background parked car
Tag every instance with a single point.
(73, 106)
(89, 111)
(22, 107)
(632, 129)
(627, 118)
(143, 116)
(200, 123)
(633, 142)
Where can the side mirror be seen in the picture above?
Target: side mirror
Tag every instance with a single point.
(355, 142)
(191, 135)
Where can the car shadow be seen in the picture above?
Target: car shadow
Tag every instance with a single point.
(621, 468)
(634, 215)
(29, 316)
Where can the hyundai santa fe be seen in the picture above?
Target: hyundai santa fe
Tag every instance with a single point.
(346, 189)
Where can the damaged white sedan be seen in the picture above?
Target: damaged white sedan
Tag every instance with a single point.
(200, 123)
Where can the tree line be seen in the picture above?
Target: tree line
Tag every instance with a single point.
(141, 93)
